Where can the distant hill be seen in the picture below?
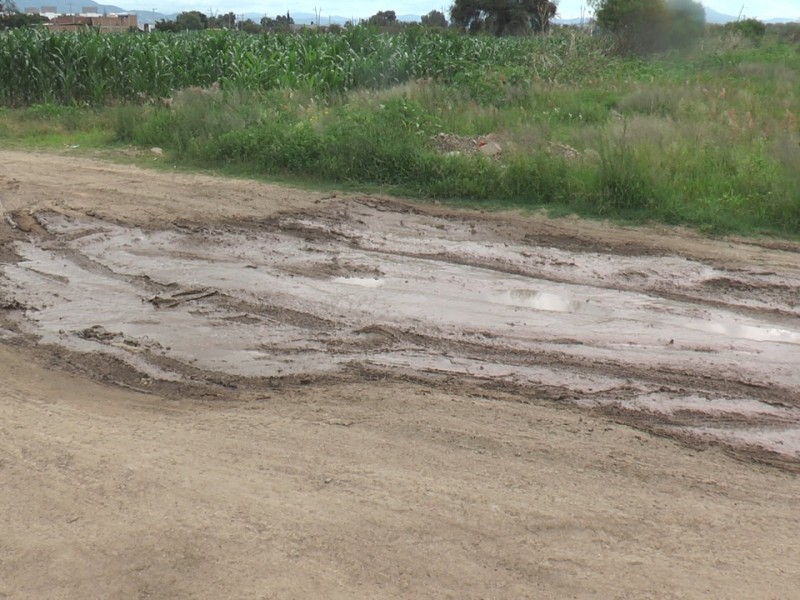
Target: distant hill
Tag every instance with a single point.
(573, 21)
(777, 21)
(718, 18)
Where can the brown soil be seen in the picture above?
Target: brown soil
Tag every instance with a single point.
(221, 388)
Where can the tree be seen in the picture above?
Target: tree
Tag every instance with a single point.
(249, 26)
(687, 22)
(434, 18)
(542, 13)
(647, 26)
(192, 20)
(503, 16)
(11, 18)
(166, 25)
(638, 25)
(18, 19)
(383, 18)
(279, 23)
(185, 21)
(227, 21)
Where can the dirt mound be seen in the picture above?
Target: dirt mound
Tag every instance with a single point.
(449, 143)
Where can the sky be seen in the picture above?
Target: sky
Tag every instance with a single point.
(758, 9)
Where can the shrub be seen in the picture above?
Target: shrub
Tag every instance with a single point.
(752, 29)
(647, 26)
(687, 22)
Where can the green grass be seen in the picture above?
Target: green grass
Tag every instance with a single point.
(708, 139)
(56, 127)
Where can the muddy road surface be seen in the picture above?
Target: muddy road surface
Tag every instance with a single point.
(221, 388)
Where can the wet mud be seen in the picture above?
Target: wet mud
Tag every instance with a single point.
(703, 349)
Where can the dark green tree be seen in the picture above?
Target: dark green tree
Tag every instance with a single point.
(227, 21)
(383, 18)
(14, 20)
(186, 21)
(687, 22)
(434, 18)
(502, 17)
(11, 18)
(279, 23)
(166, 25)
(192, 20)
(250, 26)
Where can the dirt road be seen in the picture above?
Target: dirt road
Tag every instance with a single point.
(218, 388)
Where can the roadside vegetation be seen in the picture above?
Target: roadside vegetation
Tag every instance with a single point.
(706, 136)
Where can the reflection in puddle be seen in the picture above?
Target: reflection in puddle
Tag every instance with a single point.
(748, 332)
(369, 282)
(550, 301)
(543, 301)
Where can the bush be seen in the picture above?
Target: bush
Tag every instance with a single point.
(752, 29)
(647, 26)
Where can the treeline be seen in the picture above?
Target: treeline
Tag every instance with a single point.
(195, 21)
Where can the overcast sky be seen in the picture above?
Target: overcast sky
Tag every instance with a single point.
(759, 9)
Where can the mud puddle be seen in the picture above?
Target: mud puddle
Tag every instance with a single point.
(674, 345)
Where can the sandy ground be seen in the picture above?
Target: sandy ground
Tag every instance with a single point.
(217, 388)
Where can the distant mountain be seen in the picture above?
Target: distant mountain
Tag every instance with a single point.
(574, 21)
(777, 21)
(718, 18)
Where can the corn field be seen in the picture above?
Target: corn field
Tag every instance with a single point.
(96, 69)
